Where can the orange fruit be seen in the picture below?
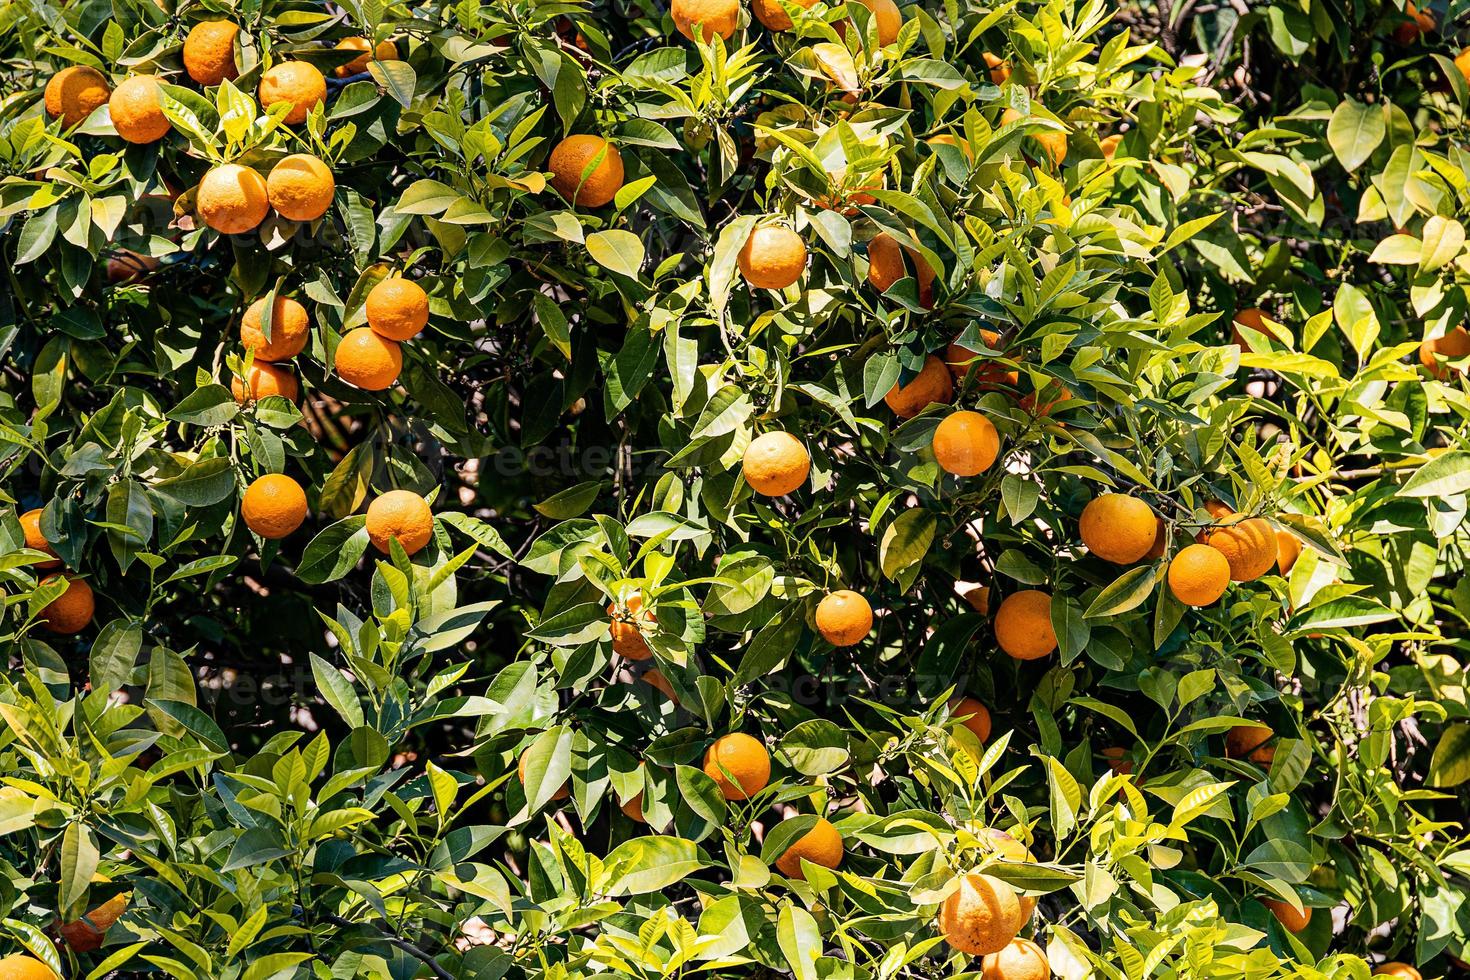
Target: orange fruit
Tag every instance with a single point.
(21, 967)
(982, 917)
(888, 18)
(300, 187)
(931, 384)
(297, 83)
(963, 363)
(1020, 960)
(1462, 62)
(746, 762)
(1198, 575)
(570, 160)
(367, 360)
(1117, 759)
(1289, 917)
(290, 329)
(137, 110)
(1253, 317)
(1452, 346)
(844, 618)
(1052, 142)
(1023, 625)
(772, 17)
(1393, 969)
(232, 199)
(30, 524)
(273, 506)
(775, 464)
(562, 791)
(1288, 550)
(400, 515)
(1118, 528)
(978, 720)
(773, 257)
(820, 845)
(977, 597)
(385, 51)
(209, 52)
(1109, 145)
(965, 443)
(1249, 545)
(1414, 24)
(998, 68)
(71, 611)
(125, 265)
(1249, 742)
(655, 679)
(397, 308)
(86, 934)
(716, 16)
(73, 93)
(886, 266)
(627, 639)
(1161, 541)
(633, 807)
(1039, 404)
(264, 380)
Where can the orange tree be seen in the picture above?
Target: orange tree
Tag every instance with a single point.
(545, 489)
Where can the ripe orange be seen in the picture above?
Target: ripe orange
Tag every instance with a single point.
(1052, 142)
(627, 639)
(844, 618)
(297, 83)
(1041, 402)
(1161, 542)
(1023, 625)
(1020, 960)
(1249, 545)
(989, 376)
(86, 934)
(978, 720)
(888, 18)
(367, 360)
(965, 443)
(21, 967)
(931, 384)
(290, 329)
(1118, 761)
(71, 611)
(385, 51)
(1396, 969)
(773, 257)
(1289, 917)
(770, 14)
(886, 266)
(300, 187)
(744, 759)
(397, 308)
(125, 265)
(273, 506)
(232, 199)
(73, 93)
(1414, 24)
(716, 16)
(655, 679)
(982, 917)
(977, 597)
(30, 524)
(209, 52)
(775, 464)
(1198, 575)
(1249, 742)
(999, 69)
(570, 160)
(402, 515)
(264, 380)
(562, 791)
(1288, 550)
(1462, 62)
(1118, 528)
(820, 845)
(1452, 346)
(137, 110)
(1252, 317)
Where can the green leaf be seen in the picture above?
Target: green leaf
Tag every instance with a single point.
(334, 551)
(1128, 591)
(906, 541)
(1443, 476)
(617, 251)
(1450, 764)
(1355, 131)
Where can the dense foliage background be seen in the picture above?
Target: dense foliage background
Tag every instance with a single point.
(299, 757)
